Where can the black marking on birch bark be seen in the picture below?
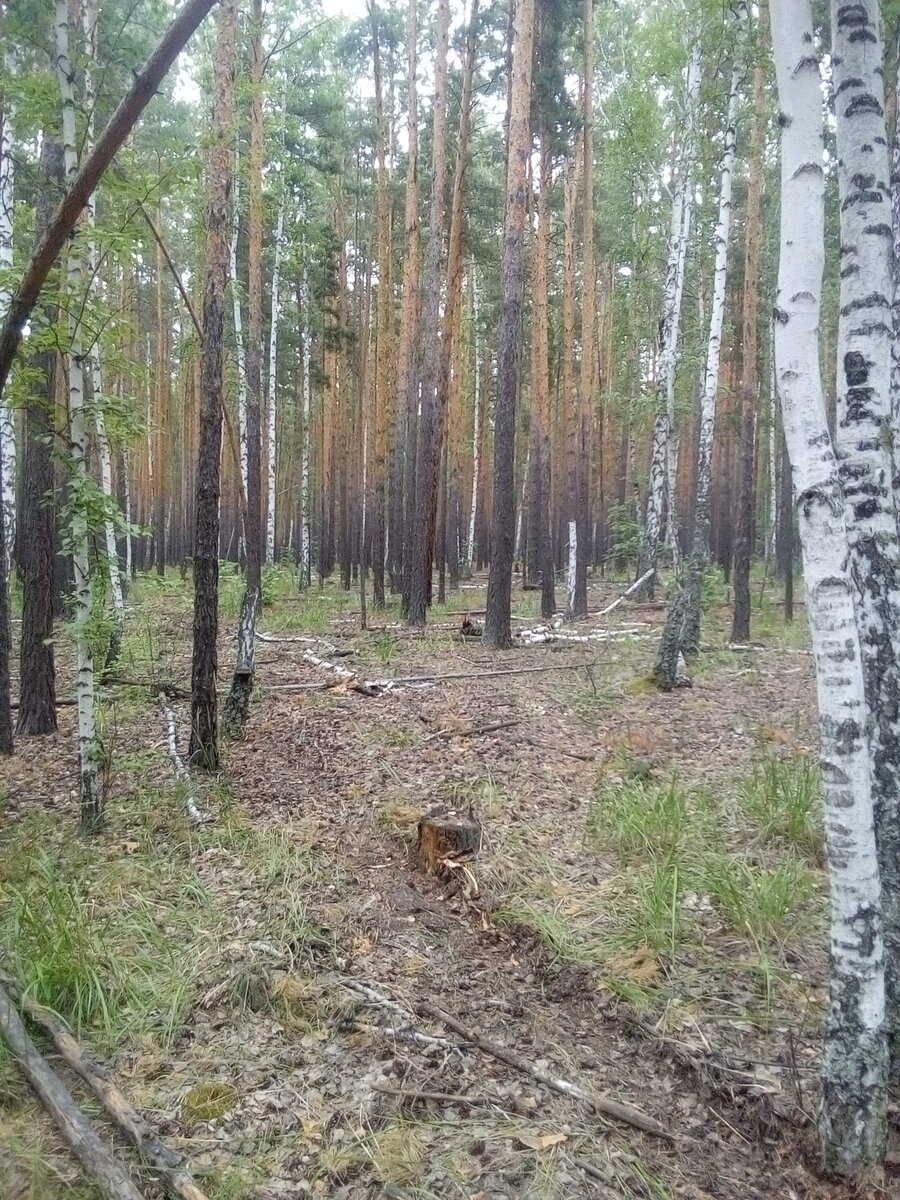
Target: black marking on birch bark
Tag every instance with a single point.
(779, 315)
(862, 35)
(783, 121)
(847, 272)
(808, 168)
(852, 81)
(856, 365)
(881, 229)
(866, 103)
(870, 329)
(861, 197)
(847, 735)
(873, 300)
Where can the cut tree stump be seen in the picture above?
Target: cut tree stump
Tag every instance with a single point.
(446, 835)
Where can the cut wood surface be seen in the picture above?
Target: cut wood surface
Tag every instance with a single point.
(75, 1129)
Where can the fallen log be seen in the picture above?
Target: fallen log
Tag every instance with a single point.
(161, 1157)
(638, 583)
(76, 1130)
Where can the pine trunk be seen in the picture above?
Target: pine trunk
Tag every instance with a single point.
(497, 630)
(204, 745)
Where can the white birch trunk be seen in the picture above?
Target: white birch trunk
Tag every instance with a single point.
(126, 487)
(89, 21)
(773, 456)
(7, 415)
(239, 328)
(91, 799)
(865, 336)
(571, 570)
(272, 390)
(852, 1123)
(476, 431)
(305, 579)
(664, 462)
(895, 295)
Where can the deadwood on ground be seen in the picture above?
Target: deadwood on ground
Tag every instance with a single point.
(75, 1129)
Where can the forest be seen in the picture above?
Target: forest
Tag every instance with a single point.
(449, 599)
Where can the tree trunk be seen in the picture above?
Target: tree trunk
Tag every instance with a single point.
(497, 631)
(7, 202)
(88, 750)
(204, 744)
(37, 674)
(743, 546)
(272, 389)
(687, 615)
(863, 413)
(852, 1120)
(237, 705)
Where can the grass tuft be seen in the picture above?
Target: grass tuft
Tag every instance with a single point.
(782, 799)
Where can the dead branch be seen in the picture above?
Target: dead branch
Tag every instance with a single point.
(470, 731)
(625, 1113)
(407, 1031)
(638, 583)
(173, 270)
(76, 1130)
(143, 88)
(411, 1096)
(412, 680)
(96, 1075)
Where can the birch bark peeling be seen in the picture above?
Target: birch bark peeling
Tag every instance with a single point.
(852, 1121)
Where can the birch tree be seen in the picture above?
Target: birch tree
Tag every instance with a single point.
(7, 197)
(80, 482)
(661, 492)
(682, 632)
(865, 338)
(852, 1121)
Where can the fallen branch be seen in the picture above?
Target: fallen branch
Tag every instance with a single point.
(414, 1097)
(307, 641)
(194, 810)
(75, 1129)
(407, 1031)
(96, 1075)
(636, 586)
(377, 687)
(471, 731)
(626, 1113)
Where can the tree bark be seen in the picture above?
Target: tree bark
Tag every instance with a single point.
(204, 744)
(428, 444)
(497, 631)
(852, 1120)
(37, 673)
(865, 336)
(74, 1127)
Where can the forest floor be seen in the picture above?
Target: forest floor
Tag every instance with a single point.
(649, 922)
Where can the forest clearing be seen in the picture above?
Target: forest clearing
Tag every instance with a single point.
(649, 922)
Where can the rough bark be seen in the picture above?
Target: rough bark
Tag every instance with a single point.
(865, 336)
(7, 198)
(497, 631)
(37, 674)
(852, 1121)
(428, 444)
(204, 744)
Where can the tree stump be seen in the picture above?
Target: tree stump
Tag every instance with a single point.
(443, 835)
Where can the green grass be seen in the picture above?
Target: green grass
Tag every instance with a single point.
(782, 801)
(765, 904)
(641, 818)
